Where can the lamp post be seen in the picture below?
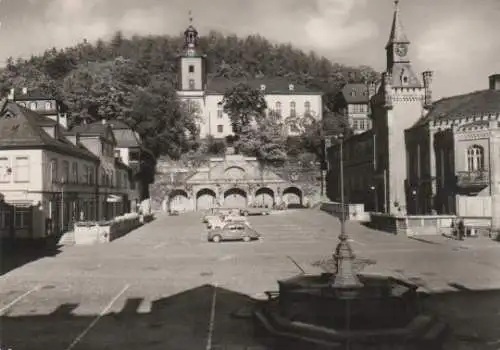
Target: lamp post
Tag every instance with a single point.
(345, 282)
(375, 197)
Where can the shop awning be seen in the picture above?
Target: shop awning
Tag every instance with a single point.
(112, 198)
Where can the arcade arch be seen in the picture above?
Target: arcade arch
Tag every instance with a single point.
(235, 198)
(178, 200)
(205, 199)
(264, 197)
(292, 196)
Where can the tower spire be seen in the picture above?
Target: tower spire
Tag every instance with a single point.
(397, 34)
(190, 18)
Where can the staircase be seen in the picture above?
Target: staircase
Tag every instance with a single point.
(68, 238)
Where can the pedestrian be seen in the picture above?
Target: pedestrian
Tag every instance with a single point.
(461, 229)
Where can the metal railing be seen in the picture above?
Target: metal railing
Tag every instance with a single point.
(473, 178)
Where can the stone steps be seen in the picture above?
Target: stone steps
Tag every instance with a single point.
(67, 238)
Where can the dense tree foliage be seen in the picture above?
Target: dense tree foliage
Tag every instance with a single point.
(244, 105)
(134, 79)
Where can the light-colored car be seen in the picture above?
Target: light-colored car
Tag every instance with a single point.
(216, 212)
(221, 220)
(255, 211)
(234, 231)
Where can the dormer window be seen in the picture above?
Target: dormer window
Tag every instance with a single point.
(353, 93)
(262, 87)
(291, 87)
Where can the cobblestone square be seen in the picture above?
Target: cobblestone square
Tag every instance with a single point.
(164, 286)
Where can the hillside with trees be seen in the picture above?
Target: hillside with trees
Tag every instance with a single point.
(134, 79)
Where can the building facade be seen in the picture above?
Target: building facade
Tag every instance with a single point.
(293, 104)
(353, 102)
(52, 176)
(427, 157)
(399, 100)
(454, 141)
(38, 167)
(233, 181)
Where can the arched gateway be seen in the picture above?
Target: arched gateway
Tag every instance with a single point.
(205, 199)
(235, 198)
(178, 200)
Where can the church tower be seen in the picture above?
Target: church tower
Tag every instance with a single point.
(396, 107)
(192, 70)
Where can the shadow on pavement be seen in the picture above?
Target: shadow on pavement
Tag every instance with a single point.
(181, 321)
(186, 321)
(473, 316)
(14, 254)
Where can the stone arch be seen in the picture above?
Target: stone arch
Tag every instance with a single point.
(292, 196)
(234, 172)
(264, 196)
(206, 198)
(178, 200)
(235, 197)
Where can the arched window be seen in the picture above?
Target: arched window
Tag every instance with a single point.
(278, 108)
(292, 109)
(475, 158)
(307, 107)
(48, 105)
(33, 105)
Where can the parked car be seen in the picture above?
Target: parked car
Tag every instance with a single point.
(234, 231)
(215, 212)
(255, 211)
(221, 220)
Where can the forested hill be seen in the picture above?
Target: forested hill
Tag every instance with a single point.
(123, 77)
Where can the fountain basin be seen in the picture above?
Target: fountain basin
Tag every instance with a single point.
(383, 310)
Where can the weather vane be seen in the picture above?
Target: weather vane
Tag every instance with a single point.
(190, 17)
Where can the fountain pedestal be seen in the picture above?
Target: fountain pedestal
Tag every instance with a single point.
(344, 309)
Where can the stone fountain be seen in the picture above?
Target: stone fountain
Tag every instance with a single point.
(347, 310)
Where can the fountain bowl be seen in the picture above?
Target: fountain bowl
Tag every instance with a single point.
(308, 311)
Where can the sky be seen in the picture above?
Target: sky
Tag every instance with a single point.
(454, 38)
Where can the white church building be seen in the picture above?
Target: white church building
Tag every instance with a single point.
(293, 104)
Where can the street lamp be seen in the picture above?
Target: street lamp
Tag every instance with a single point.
(345, 280)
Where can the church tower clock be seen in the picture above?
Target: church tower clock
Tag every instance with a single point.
(398, 44)
(192, 70)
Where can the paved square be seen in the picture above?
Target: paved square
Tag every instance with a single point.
(164, 286)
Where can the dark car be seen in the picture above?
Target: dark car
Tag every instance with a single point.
(234, 231)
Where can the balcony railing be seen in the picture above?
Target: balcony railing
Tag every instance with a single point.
(473, 178)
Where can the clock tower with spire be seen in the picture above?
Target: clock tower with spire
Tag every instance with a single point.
(396, 107)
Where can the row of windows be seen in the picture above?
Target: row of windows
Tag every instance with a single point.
(19, 171)
(358, 108)
(277, 109)
(361, 124)
(120, 178)
(48, 105)
(22, 218)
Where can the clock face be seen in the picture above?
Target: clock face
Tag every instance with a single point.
(401, 50)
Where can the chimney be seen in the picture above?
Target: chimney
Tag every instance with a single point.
(11, 94)
(494, 81)
(25, 90)
(63, 120)
(427, 78)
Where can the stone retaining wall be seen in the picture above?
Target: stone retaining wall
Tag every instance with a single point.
(352, 212)
(102, 232)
